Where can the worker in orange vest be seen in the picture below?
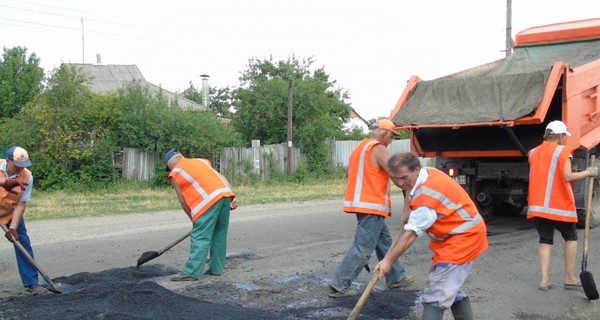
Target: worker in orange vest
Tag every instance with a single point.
(551, 201)
(206, 197)
(442, 209)
(368, 198)
(17, 183)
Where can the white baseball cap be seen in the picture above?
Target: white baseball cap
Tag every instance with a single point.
(558, 127)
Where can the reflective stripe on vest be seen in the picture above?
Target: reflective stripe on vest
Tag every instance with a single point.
(207, 198)
(552, 171)
(356, 202)
(469, 223)
(9, 200)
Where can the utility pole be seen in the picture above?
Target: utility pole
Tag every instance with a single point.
(82, 42)
(509, 42)
(289, 125)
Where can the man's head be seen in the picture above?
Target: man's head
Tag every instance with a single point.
(171, 158)
(556, 131)
(385, 131)
(18, 157)
(404, 170)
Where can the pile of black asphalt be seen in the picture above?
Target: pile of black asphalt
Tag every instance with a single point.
(130, 293)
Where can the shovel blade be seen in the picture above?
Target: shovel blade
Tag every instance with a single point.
(60, 288)
(588, 284)
(147, 256)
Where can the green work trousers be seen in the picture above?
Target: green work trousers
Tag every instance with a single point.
(209, 234)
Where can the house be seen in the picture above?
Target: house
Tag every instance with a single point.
(112, 77)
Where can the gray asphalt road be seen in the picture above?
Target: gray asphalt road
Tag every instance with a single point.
(308, 238)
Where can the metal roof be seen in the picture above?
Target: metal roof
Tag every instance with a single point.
(111, 78)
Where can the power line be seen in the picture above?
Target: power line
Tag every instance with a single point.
(149, 24)
(71, 17)
(62, 27)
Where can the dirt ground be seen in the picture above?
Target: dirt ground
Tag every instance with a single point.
(280, 261)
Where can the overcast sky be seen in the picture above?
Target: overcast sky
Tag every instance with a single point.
(371, 48)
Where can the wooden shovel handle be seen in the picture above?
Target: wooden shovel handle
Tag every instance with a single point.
(31, 261)
(588, 212)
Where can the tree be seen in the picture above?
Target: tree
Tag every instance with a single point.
(319, 108)
(148, 122)
(20, 80)
(219, 100)
(66, 133)
(194, 94)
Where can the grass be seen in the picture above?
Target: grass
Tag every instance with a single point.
(140, 197)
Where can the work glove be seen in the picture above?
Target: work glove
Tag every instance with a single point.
(13, 232)
(593, 171)
(11, 183)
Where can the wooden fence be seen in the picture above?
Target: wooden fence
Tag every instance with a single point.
(261, 161)
(257, 162)
(135, 164)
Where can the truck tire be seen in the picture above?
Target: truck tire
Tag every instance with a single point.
(595, 209)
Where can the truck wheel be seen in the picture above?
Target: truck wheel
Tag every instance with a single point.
(486, 211)
(595, 209)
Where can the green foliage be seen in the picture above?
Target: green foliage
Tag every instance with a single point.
(20, 80)
(149, 123)
(220, 102)
(68, 133)
(193, 94)
(319, 109)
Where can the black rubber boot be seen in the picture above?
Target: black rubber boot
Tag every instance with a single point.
(431, 312)
(461, 310)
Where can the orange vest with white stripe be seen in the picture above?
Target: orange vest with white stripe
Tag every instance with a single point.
(200, 184)
(550, 195)
(368, 187)
(8, 200)
(459, 234)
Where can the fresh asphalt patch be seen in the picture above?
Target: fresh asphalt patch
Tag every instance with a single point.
(137, 293)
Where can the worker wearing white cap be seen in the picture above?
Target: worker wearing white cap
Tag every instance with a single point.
(551, 203)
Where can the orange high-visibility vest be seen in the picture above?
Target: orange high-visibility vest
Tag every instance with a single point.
(8, 201)
(368, 187)
(200, 184)
(459, 234)
(550, 195)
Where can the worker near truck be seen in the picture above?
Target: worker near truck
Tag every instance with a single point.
(442, 209)
(368, 198)
(206, 197)
(551, 203)
(17, 182)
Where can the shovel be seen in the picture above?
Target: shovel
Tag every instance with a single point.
(54, 287)
(149, 255)
(586, 277)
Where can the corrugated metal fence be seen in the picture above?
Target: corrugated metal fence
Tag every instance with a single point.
(341, 150)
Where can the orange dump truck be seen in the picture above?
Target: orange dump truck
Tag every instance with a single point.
(480, 123)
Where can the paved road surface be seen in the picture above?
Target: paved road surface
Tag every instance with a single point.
(308, 238)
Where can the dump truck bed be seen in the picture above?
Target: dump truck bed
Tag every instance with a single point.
(499, 109)
(511, 89)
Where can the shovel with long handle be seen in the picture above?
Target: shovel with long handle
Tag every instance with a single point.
(149, 255)
(54, 287)
(586, 277)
